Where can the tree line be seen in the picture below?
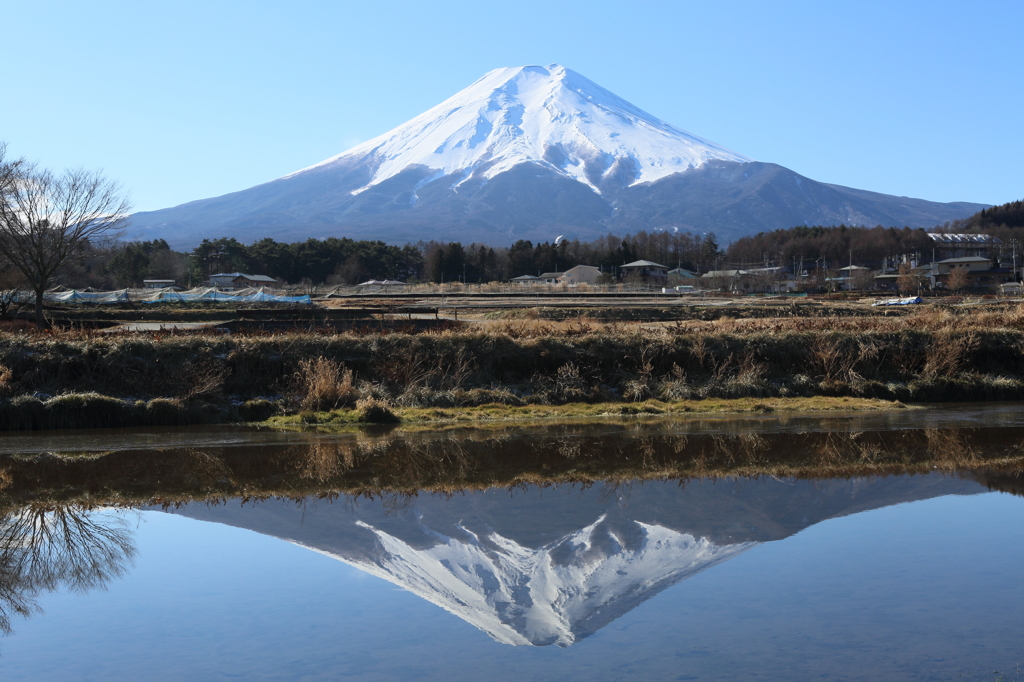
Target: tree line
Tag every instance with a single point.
(345, 261)
(830, 247)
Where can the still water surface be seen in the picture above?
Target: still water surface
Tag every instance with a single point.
(901, 577)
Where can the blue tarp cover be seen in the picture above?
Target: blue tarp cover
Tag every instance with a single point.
(899, 301)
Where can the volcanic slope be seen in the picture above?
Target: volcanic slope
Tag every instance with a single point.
(531, 153)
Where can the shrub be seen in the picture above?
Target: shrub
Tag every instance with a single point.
(166, 412)
(373, 411)
(257, 410)
(87, 410)
(24, 413)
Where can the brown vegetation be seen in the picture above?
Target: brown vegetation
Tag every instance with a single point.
(934, 354)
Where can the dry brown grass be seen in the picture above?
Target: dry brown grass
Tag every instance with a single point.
(325, 384)
(6, 380)
(935, 353)
(948, 353)
(202, 378)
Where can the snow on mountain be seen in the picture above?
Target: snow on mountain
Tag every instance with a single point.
(555, 594)
(546, 115)
(532, 152)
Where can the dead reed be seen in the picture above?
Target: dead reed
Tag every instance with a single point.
(932, 355)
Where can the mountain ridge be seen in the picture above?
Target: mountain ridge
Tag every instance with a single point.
(531, 153)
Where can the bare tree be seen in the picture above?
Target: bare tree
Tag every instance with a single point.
(46, 220)
(863, 280)
(957, 280)
(906, 280)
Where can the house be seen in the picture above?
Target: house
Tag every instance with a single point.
(582, 274)
(378, 285)
(887, 280)
(157, 283)
(946, 246)
(981, 273)
(525, 279)
(645, 271)
(855, 277)
(550, 277)
(754, 281)
(240, 280)
(682, 275)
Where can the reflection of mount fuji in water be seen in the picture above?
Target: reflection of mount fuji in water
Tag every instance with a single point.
(552, 566)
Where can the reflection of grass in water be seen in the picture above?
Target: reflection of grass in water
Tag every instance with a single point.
(451, 461)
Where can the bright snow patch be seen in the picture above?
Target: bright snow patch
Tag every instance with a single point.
(520, 595)
(546, 115)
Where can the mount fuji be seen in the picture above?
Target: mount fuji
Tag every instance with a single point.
(531, 153)
(552, 566)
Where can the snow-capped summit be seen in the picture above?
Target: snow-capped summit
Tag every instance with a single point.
(532, 152)
(545, 115)
(555, 594)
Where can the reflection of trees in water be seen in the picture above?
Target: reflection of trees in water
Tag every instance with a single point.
(48, 548)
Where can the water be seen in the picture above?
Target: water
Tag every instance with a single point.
(555, 574)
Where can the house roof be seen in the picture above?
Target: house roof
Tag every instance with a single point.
(550, 275)
(524, 278)
(966, 259)
(950, 238)
(684, 273)
(851, 268)
(579, 267)
(643, 264)
(236, 275)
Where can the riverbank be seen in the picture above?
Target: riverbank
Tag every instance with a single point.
(516, 369)
(431, 417)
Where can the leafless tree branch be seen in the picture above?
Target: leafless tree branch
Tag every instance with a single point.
(47, 219)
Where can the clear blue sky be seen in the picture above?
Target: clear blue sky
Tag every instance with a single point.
(185, 100)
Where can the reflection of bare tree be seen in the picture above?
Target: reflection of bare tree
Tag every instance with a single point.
(47, 548)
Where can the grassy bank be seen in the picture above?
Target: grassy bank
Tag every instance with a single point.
(931, 356)
(429, 416)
